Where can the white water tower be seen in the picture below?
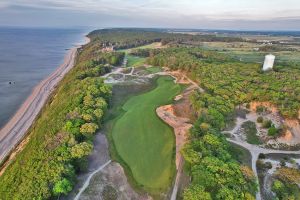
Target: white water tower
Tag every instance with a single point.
(269, 62)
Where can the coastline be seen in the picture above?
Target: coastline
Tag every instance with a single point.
(15, 130)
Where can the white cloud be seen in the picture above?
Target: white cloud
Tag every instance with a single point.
(213, 9)
(161, 12)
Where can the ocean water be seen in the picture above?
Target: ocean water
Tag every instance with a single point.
(27, 56)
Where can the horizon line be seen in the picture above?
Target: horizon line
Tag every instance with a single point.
(161, 28)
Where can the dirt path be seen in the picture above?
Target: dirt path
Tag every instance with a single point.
(15, 130)
(87, 182)
(111, 183)
(180, 126)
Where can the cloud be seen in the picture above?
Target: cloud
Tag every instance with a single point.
(154, 13)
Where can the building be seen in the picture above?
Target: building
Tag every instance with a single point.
(269, 62)
(107, 49)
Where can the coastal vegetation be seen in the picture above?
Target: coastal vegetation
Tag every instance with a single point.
(61, 138)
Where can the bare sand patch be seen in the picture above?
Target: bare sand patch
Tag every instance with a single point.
(111, 183)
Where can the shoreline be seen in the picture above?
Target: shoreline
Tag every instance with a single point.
(15, 130)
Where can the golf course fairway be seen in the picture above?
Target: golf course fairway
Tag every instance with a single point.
(144, 142)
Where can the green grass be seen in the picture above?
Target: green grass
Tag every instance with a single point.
(143, 141)
(134, 61)
(154, 69)
(242, 155)
(148, 46)
(251, 132)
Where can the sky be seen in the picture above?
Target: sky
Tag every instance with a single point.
(198, 14)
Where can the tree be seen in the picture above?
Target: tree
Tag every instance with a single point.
(80, 150)
(73, 126)
(63, 186)
(87, 117)
(88, 100)
(248, 196)
(204, 127)
(196, 192)
(278, 186)
(190, 155)
(88, 128)
(98, 113)
(101, 103)
(216, 118)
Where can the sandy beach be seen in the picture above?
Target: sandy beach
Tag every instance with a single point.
(17, 127)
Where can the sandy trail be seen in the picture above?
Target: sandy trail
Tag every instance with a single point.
(180, 125)
(15, 130)
(87, 182)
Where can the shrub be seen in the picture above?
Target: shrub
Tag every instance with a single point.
(204, 126)
(273, 131)
(251, 132)
(267, 124)
(63, 186)
(268, 165)
(262, 156)
(261, 109)
(260, 119)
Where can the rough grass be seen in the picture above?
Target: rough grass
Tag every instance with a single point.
(148, 46)
(134, 61)
(143, 141)
(154, 69)
(242, 155)
(251, 131)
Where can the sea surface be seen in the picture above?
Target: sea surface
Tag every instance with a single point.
(27, 56)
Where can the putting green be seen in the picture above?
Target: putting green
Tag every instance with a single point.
(143, 141)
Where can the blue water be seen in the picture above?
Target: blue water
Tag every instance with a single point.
(27, 56)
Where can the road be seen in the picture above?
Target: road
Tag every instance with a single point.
(15, 130)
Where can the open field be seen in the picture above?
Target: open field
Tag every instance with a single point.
(247, 51)
(148, 46)
(146, 145)
(154, 69)
(134, 61)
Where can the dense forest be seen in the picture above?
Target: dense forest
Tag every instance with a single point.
(229, 82)
(61, 138)
(129, 38)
